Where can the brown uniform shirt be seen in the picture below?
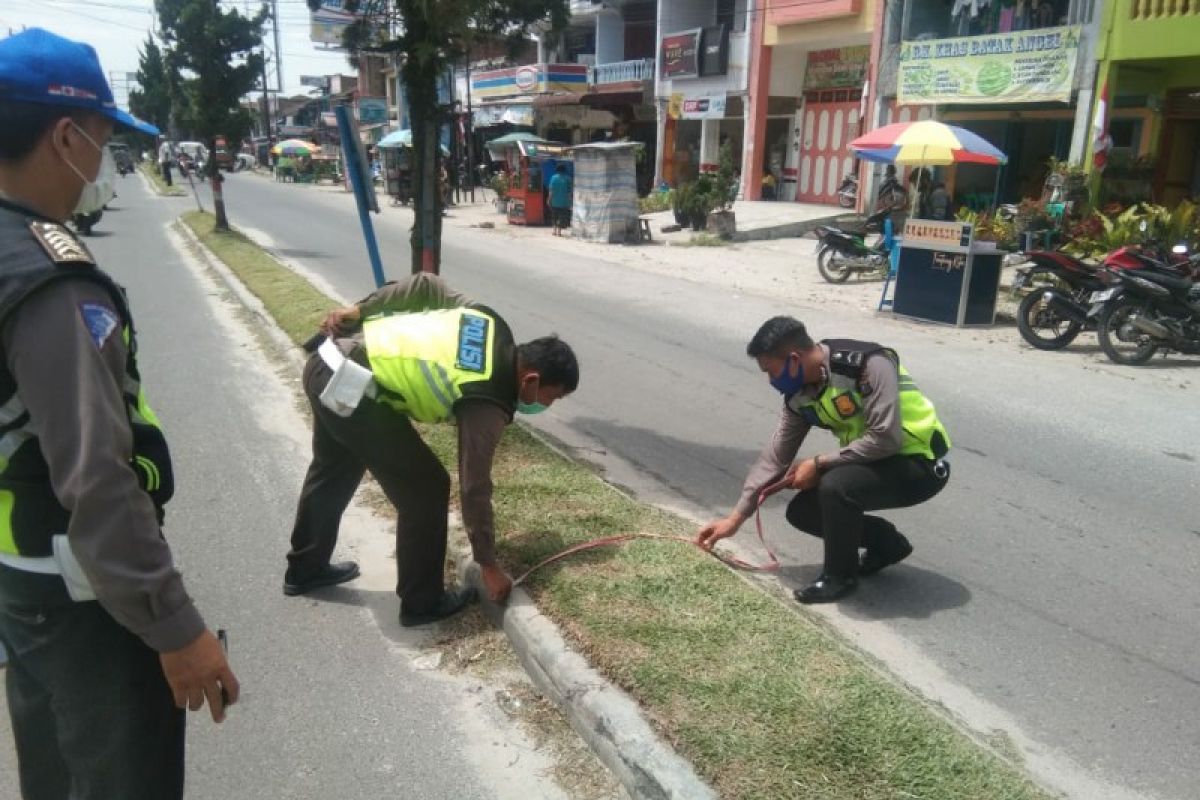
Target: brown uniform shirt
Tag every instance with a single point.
(71, 385)
(883, 438)
(480, 423)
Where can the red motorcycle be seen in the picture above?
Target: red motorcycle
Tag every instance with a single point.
(1068, 294)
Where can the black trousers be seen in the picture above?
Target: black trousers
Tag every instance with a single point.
(165, 168)
(379, 439)
(834, 510)
(92, 715)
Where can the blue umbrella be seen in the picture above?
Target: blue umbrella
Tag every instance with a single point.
(401, 138)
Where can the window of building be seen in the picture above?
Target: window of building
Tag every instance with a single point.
(1126, 135)
(732, 14)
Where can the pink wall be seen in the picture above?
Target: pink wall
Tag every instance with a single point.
(789, 12)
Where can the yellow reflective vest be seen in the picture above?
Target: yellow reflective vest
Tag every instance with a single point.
(838, 409)
(426, 362)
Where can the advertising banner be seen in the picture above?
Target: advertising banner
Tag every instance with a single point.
(704, 106)
(1019, 67)
(681, 54)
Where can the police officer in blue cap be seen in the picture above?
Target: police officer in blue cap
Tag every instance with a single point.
(105, 647)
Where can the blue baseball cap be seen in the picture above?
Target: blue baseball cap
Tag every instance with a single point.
(37, 66)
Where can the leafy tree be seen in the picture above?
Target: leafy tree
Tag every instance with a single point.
(153, 101)
(432, 36)
(211, 52)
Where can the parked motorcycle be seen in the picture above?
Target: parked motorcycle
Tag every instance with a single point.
(1152, 311)
(1071, 294)
(843, 253)
(848, 192)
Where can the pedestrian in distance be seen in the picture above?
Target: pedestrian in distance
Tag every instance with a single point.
(415, 351)
(166, 156)
(891, 451)
(105, 647)
(561, 188)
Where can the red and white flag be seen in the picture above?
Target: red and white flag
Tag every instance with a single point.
(1101, 141)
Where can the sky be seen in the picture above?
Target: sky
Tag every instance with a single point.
(118, 28)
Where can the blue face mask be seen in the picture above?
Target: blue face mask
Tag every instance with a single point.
(785, 383)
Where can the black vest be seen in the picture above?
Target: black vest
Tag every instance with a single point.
(35, 252)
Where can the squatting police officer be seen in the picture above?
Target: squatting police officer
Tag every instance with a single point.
(105, 647)
(415, 350)
(891, 451)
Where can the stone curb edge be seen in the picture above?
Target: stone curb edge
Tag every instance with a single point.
(603, 715)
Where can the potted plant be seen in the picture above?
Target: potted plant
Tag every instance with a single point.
(499, 184)
(720, 218)
(680, 199)
(702, 200)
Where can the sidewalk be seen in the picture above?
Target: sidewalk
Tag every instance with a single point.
(783, 268)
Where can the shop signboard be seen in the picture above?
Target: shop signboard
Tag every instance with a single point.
(704, 106)
(329, 23)
(1019, 67)
(315, 81)
(681, 54)
(837, 68)
(372, 110)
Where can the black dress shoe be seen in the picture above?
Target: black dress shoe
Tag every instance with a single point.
(451, 602)
(827, 589)
(329, 575)
(872, 562)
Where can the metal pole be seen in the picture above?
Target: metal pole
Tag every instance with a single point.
(355, 169)
(470, 128)
(278, 48)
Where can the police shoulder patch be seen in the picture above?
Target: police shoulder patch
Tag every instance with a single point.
(845, 406)
(101, 321)
(60, 244)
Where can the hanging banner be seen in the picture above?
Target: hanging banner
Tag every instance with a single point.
(837, 68)
(1019, 67)
(704, 106)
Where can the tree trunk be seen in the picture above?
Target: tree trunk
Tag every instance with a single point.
(216, 181)
(420, 83)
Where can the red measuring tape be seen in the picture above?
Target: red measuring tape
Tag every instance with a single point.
(733, 561)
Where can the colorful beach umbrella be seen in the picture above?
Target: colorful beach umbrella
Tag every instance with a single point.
(295, 147)
(926, 143)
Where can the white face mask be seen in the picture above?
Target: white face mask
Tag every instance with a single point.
(98, 191)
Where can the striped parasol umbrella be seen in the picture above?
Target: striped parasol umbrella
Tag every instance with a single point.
(926, 144)
(295, 147)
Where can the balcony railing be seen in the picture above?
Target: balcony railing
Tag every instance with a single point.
(639, 69)
(1164, 9)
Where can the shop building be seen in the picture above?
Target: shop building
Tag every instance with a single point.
(812, 73)
(1020, 73)
(1149, 58)
(704, 58)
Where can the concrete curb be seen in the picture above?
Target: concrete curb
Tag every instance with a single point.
(608, 719)
(604, 716)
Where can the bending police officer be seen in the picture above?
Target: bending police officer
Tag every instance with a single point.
(415, 350)
(890, 456)
(105, 645)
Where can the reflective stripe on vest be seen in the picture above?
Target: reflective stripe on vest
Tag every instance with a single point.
(140, 414)
(423, 359)
(839, 409)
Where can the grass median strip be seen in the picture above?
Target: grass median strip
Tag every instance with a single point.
(150, 170)
(764, 702)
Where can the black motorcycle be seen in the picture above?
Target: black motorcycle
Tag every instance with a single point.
(1152, 311)
(843, 253)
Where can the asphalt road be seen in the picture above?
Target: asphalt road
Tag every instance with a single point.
(1053, 593)
(333, 705)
